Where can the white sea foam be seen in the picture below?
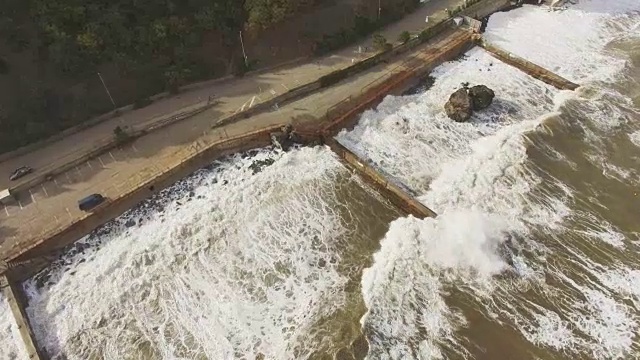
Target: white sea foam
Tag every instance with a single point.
(611, 170)
(11, 347)
(569, 42)
(248, 266)
(625, 282)
(412, 139)
(404, 292)
(635, 138)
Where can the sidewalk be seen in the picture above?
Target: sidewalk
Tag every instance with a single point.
(232, 96)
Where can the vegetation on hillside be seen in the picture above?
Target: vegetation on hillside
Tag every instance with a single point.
(52, 50)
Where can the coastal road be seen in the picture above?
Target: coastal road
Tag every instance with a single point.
(232, 94)
(53, 205)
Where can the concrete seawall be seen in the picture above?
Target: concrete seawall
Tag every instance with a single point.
(528, 67)
(387, 189)
(14, 295)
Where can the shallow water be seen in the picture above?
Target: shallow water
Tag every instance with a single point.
(273, 255)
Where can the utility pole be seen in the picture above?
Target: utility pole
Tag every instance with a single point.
(246, 62)
(107, 90)
(379, 9)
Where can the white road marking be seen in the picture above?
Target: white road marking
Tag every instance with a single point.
(32, 197)
(112, 158)
(55, 181)
(45, 190)
(68, 179)
(101, 163)
(78, 171)
(285, 86)
(69, 213)
(20, 203)
(134, 148)
(56, 217)
(6, 210)
(89, 163)
(253, 99)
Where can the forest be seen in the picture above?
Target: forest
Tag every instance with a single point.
(51, 51)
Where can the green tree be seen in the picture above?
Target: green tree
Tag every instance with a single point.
(380, 43)
(404, 37)
(120, 135)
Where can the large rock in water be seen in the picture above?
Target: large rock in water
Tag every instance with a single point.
(460, 106)
(481, 96)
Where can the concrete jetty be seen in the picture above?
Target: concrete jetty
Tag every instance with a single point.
(390, 191)
(528, 67)
(15, 297)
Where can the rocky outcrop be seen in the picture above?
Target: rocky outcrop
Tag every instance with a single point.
(465, 101)
(481, 96)
(285, 138)
(460, 106)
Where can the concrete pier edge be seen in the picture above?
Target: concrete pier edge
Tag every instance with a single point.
(16, 299)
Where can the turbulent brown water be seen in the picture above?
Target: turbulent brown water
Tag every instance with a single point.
(533, 255)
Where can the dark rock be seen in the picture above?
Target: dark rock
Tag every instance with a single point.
(481, 96)
(460, 106)
(287, 129)
(130, 223)
(258, 165)
(281, 140)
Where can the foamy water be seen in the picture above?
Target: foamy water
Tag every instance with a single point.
(489, 194)
(240, 262)
(10, 342)
(236, 265)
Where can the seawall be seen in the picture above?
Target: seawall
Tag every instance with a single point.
(15, 298)
(36, 257)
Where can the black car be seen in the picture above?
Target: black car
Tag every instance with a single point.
(20, 172)
(90, 202)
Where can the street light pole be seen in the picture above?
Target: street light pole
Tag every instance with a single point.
(246, 62)
(107, 90)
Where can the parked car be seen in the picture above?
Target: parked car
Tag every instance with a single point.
(90, 202)
(20, 172)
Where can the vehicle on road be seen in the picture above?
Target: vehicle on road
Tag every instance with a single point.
(90, 202)
(20, 172)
